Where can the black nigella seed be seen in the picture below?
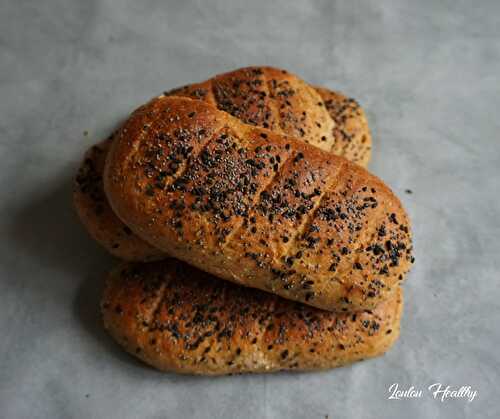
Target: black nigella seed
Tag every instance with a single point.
(299, 157)
(149, 190)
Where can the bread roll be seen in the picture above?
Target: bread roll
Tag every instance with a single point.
(280, 101)
(351, 132)
(345, 134)
(176, 318)
(257, 208)
(97, 216)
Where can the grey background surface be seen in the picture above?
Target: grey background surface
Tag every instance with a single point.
(428, 74)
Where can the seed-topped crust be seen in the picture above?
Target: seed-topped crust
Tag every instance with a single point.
(177, 318)
(94, 211)
(263, 96)
(351, 134)
(257, 208)
(275, 99)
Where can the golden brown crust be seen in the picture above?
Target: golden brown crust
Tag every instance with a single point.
(275, 99)
(176, 318)
(257, 208)
(262, 96)
(351, 132)
(97, 216)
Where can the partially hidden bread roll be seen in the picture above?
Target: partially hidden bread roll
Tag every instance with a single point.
(351, 134)
(100, 221)
(257, 208)
(275, 99)
(177, 318)
(291, 107)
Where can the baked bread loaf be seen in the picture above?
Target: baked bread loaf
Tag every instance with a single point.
(351, 134)
(345, 134)
(92, 207)
(177, 318)
(275, 99)
(257, 208)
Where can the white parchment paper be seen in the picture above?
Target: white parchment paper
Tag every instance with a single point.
(428, 74)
